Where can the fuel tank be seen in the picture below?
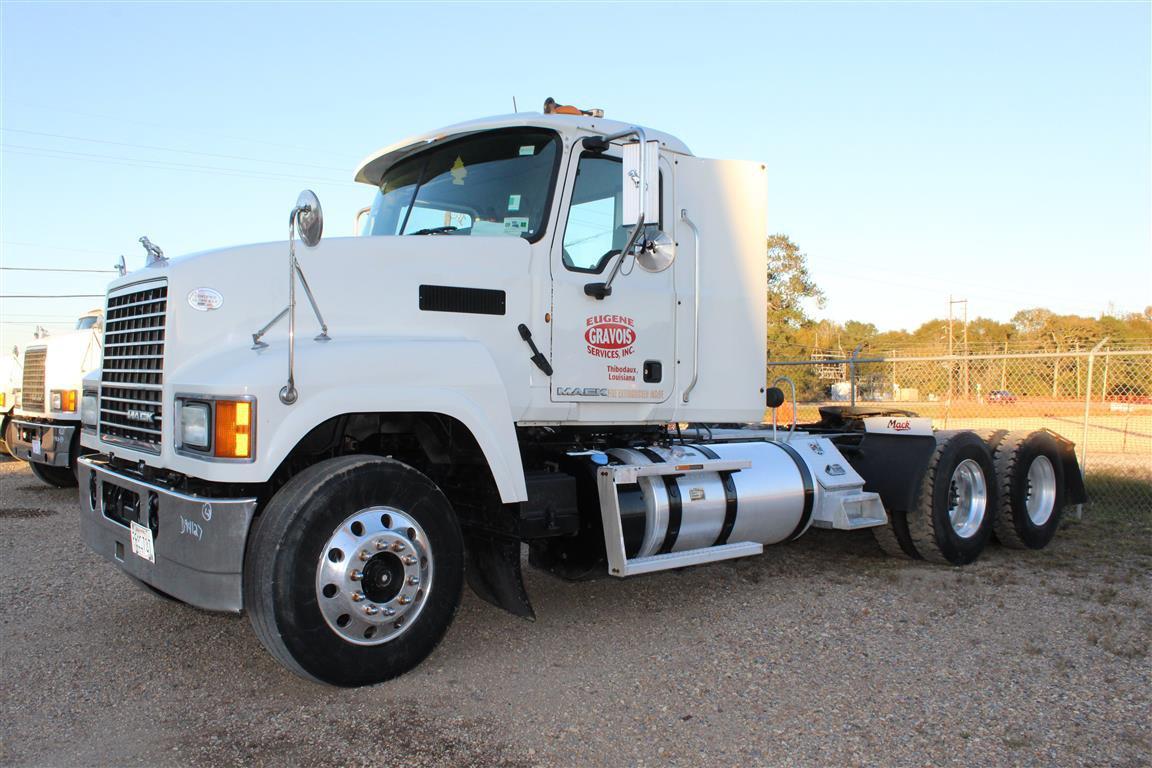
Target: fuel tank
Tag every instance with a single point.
(769, 502)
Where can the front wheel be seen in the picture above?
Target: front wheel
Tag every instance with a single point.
(354, 571)
(57, 477)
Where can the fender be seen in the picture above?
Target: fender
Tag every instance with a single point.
(453, 377)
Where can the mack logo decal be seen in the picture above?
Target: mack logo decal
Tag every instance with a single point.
(900, 425)
(137, 414)
(610, 336)
(581, 392)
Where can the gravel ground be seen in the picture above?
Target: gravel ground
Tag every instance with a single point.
(822, 652)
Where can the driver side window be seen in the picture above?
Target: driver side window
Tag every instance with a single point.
(593, 234)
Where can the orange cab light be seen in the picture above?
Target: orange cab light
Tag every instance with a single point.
(233, 429)
(69, 400)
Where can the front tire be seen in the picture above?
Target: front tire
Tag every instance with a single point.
(956, 503)
(57, 477)
(354, 571)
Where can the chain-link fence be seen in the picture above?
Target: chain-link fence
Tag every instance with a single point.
(1099, 399)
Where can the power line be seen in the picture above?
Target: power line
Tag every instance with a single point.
(168, 128)
(56, 247)
(166, 165)
(172, 149)
(51, 295)
(51, 269)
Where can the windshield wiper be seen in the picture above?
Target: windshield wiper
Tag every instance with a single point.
(434, 230)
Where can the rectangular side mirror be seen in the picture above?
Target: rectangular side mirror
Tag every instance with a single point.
(641, 162)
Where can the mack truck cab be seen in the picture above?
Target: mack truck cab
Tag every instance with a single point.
(549, 336)
(43, 428)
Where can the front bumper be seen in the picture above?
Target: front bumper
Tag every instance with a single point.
(198, 540)
(45, 442)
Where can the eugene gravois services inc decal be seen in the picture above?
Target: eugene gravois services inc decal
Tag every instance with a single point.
(610, 336)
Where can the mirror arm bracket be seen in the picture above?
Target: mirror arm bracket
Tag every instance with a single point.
(599, 291)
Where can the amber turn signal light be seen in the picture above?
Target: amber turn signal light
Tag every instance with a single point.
(233, 429)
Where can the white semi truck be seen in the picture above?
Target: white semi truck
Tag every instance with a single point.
(43, 429)
(550, 333)
(10, 381)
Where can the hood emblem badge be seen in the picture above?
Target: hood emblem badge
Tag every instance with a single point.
(205, 299)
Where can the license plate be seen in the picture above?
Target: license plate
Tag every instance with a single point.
(36, 449)
(142, 542)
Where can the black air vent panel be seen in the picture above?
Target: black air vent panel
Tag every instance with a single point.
(470, 301)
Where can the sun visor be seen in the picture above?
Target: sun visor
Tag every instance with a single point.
(373, 167)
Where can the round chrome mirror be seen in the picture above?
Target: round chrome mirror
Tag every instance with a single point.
(309, 218)
(657, 254)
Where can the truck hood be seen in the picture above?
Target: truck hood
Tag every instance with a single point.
(364, 286)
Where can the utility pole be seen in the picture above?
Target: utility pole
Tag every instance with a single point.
(964, 380)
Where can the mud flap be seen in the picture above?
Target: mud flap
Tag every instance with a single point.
(1074, 490)
(493, 572)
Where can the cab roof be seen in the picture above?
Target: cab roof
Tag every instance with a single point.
(372, 168)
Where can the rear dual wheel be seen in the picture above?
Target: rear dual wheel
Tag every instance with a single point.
(952, 515)
(1031, 479)
(354, 571)
(1007, 483)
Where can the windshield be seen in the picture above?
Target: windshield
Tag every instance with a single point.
(495, 184)
(86, 322)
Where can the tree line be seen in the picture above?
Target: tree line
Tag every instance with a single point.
(794, 335)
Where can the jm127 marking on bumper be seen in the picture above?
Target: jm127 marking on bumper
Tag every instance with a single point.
(201, 570)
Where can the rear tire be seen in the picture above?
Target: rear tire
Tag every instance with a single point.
(1031, 483)
(354, 571)
(951, 519)
(893, 536)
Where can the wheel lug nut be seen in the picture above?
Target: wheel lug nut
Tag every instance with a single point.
(371, 610)
(389, 611)
(413, 580)
(381, 544)
(409, 560)
(357, 596)
(404, 600)
(397, 546)
(365, 554)
(357, 575)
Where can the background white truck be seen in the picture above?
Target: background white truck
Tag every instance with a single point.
(552, 333)
(44, 427)
(10, 381)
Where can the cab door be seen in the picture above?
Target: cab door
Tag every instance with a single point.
(620, 349)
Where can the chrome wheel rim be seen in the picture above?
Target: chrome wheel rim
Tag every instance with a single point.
(967, 498)
(373, 576)
(1040, 494)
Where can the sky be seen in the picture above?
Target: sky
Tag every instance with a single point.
(994, 152)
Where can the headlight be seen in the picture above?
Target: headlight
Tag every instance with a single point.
(64, 400)
(89, 409)
(225, 429)
(194, 425)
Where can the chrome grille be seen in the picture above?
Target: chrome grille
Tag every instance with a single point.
(131, 411)
(32, 399)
